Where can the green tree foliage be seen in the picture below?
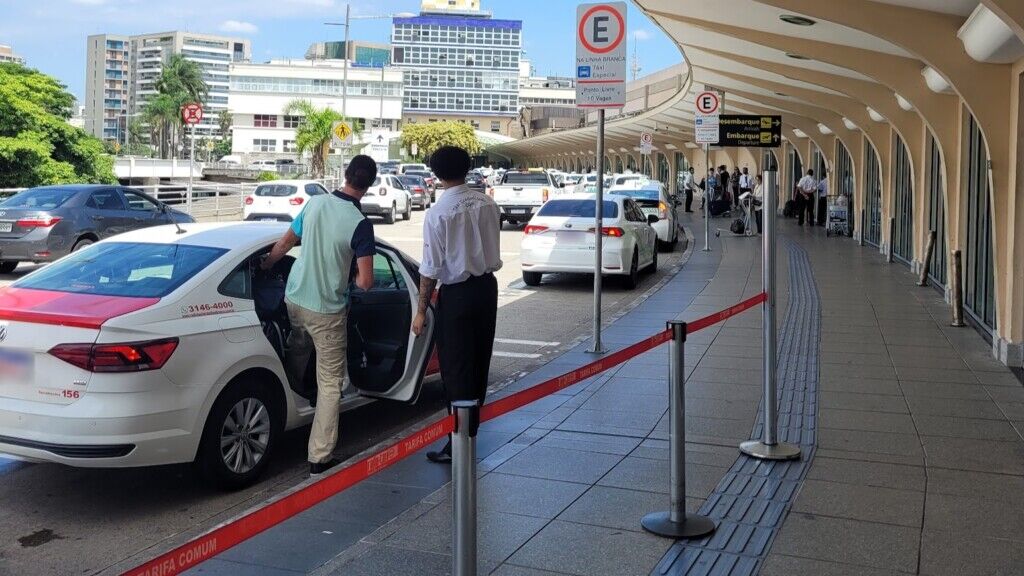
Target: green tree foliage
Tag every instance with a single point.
(432, 135)
(180, 82)
(313, 134)
(37, 145)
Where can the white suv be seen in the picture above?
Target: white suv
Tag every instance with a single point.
(387, 198)
(280, 200)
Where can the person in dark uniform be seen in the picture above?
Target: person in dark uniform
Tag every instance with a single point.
(461, 252)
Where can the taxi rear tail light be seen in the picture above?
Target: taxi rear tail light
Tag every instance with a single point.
(534, 229)
(546, 194)
(249, 200)
(612, 231)
(38, 222)
(297, 201)
(132, 357)
(662, 210)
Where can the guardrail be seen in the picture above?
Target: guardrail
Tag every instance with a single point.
(463, 422)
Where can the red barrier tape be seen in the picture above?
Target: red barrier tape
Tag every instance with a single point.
(227, 535)
(717, 317)
(234, 532)
(519, 399)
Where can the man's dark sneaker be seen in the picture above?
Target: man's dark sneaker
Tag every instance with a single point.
(442, 456)
(318, 468)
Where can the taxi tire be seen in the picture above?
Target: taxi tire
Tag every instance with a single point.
(209, 461)
(389, 216)
(532, 278)
(408, 211)
(8, 266)
(632, 281)
(653, 267)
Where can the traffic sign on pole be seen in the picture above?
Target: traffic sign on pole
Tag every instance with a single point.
(708, 107)
(646, 143)
(341, 134)
(192, 113)
(601, 55)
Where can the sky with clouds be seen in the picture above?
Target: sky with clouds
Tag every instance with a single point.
(51, 34)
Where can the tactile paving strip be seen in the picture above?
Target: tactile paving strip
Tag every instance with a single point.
(752, 499)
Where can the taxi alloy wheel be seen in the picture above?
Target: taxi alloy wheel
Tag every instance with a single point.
(245, 435)
(241, 432)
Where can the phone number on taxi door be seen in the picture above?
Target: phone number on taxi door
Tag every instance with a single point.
(204, 309)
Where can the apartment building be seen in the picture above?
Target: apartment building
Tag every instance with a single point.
(107, 82)
(121, 75)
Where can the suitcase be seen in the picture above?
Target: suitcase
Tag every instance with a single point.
(737, 226)
(719, 207)
(789, 210)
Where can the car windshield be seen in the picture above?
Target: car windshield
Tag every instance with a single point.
(578, 209)
(639, 194)
(420, 173)
(526, 178)
(40, 198)
(276, 190)
(135, 270)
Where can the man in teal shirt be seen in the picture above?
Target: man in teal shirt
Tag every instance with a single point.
(334, 235)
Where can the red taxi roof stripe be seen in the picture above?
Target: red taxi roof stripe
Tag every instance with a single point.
(65, 308)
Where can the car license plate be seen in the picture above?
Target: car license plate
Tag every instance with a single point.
(519, 211)
(15, 366)
(6, 226)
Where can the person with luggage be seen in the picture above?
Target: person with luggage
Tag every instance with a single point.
(807, 191)
(746, 182)
(710, 185)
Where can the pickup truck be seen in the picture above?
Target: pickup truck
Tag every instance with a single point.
(520, 193)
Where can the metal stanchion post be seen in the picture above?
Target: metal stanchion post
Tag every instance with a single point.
(707, 199)
(956, 290)
(892, 240)
(598, 235)
(922, 280)
(769, 448)
(676, 523)
(467, 421)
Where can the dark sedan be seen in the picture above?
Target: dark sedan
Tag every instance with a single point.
(418, 189)
(476, 181)
(432, 182)
(46, 223)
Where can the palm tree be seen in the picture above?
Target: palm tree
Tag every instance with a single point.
(314, 132)
(182, 78)
(163, 115)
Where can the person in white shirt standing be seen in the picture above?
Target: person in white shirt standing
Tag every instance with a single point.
(461, 252)
(822, 200)
(746, 182)
(807, 192)
(688, 186)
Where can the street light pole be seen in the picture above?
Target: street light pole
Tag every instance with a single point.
(344, 74)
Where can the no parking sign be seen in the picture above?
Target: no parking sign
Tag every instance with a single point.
(601, 55)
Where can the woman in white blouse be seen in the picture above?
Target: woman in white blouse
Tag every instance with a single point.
(758, 201)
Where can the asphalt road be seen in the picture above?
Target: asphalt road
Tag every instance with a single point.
(61, 520)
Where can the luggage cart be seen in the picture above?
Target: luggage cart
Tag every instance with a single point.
(838, 220)
(747, 205)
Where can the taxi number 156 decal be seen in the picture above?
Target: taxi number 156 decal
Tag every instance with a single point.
(206, 309)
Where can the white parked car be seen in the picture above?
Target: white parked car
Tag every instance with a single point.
(263, 165)
(652, 198)
(158, 347)
(387, 198)
(280, 199)
(560, 238)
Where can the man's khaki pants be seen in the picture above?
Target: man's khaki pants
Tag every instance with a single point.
(328, 334)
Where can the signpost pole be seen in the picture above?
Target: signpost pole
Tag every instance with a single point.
(191, 166)
(707, 199)
(600, 84)
(598, 235)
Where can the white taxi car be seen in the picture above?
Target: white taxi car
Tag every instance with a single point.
(560, 238)
(280, 200)
(387, 197)
(159, 347)
(652, 198)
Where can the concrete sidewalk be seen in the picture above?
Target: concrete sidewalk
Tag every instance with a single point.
(913, 460)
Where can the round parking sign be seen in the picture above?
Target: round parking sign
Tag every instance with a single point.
(601, 29)
(707, 103)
